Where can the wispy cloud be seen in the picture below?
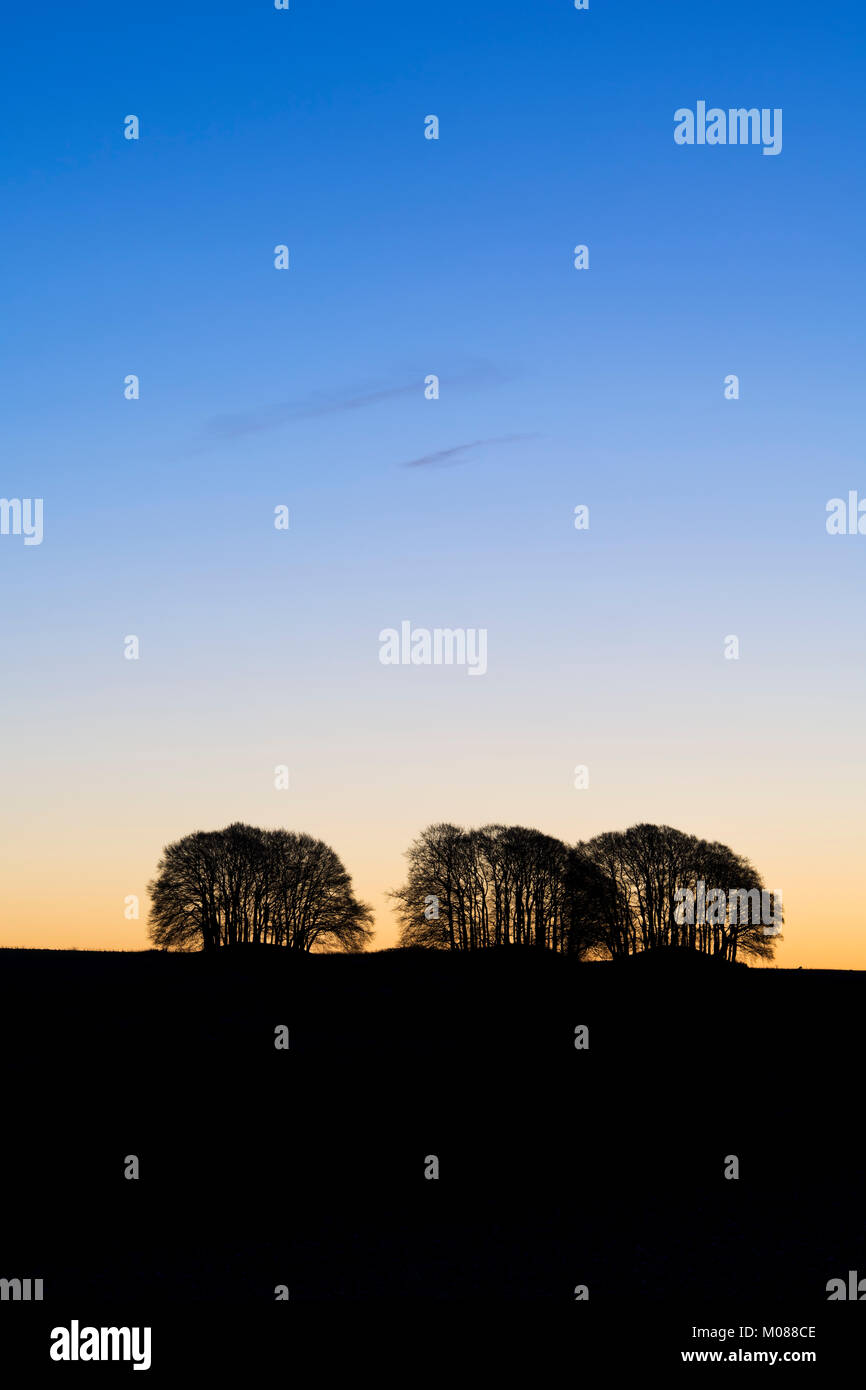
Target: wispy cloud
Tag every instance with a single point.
(271, 417)
(238, 425)
(453, 454)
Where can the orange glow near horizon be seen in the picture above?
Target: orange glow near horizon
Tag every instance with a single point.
(80, 903)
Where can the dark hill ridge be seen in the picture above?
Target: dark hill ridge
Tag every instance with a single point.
(557, 1165)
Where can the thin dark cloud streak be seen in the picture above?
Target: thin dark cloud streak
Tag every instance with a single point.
(237, 426)
(227, 427)
(444, 456)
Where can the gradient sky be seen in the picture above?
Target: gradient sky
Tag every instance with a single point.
(305, 387)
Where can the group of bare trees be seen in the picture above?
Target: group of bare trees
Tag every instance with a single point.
(620, 893)
(498, 886)
(617, 894)
(244, 885)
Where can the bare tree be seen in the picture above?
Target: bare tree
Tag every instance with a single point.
(497, 886)
(243, 885)
(650, 867)
(617, 894)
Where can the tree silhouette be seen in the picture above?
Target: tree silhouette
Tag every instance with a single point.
(243, 885)
(498, 886)
(648, 865)
(620, 893)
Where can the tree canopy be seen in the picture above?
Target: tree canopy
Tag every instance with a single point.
(243, 885)
(616, 894)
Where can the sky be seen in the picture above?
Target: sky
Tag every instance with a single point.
(304, 388)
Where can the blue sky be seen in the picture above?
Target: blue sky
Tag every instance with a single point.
(305, 387)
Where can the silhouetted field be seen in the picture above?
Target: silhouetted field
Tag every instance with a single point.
(305, 1167)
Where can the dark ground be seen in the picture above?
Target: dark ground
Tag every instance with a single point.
(558, 1167)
